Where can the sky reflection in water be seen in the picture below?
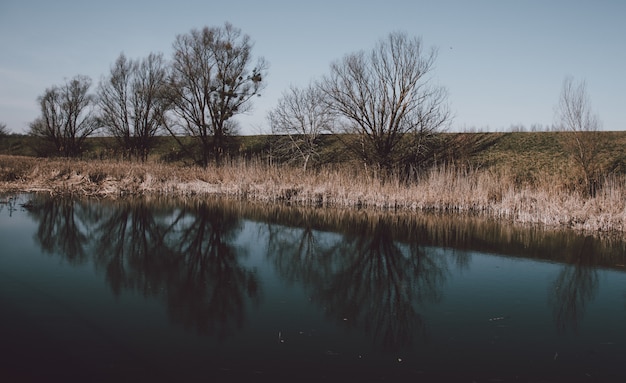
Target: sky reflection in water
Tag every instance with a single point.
(197, 290)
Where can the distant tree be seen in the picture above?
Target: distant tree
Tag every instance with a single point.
(66, 116)
(300, 118)
(388, 101)
(537, 128)
(213, 79)
(132, 104)
(580, 126)
(4, 132)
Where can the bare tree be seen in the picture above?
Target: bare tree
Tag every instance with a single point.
(300, 118)
(580, 126)
(66, 116)
(213, 79)
(4, 132)
(388, 101)
(131, 101)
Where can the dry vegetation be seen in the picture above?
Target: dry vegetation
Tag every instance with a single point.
(491, 192)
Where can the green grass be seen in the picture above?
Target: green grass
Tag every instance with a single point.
(525, 156)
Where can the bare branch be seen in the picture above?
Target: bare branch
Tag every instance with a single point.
(580, 125)
(213, 79)
(132, 103)
(3, 129)
(301, 117)
(66, 116)
(387, 98)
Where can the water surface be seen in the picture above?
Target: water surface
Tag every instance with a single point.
(163, 290)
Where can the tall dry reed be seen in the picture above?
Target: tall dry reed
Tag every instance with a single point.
(444, 189)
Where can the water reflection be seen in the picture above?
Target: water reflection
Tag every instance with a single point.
(301, 254)
(63, 227)
(130, 247)
(208, 286)
(379, 284)
(9, 202)
(370, 272)
(364, 279)
(183, 256)
(575, 286)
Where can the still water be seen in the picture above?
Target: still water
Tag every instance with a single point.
(217, 291)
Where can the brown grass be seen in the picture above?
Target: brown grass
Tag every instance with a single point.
(489, 193)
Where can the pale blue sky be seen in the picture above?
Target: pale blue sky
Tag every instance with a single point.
(503, 62)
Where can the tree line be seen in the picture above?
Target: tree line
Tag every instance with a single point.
(384, 98)
(211, 77)
(383, 104)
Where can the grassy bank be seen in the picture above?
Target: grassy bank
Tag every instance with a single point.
(493, 192)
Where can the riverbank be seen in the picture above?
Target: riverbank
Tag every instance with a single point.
(488, 193)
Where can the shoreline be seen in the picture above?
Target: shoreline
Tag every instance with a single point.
(477, 193)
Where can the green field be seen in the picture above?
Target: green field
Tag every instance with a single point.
(526, 155)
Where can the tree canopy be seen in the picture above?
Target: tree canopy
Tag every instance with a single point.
(132, 104)
(388, 100)
(66, 116)
(214, 77)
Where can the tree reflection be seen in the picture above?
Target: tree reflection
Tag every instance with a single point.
(183, 256)
(299, 254)
(9, 202)
(379, 284)
(208, 286)
(62, 226)
(364, 279)
(131, 248)
(375, 272)
(575, 286)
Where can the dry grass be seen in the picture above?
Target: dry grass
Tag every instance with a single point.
(488, 193)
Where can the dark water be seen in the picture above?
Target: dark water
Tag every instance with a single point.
(154, 291)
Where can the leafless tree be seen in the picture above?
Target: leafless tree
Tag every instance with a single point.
(131, 101)
(66, 116)
(213, 79)
(3, 132)
(388, 101)
(580, 126)
(300, 118)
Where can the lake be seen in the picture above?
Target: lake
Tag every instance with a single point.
(193, 290)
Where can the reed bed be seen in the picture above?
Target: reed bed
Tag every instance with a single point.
(548, 202)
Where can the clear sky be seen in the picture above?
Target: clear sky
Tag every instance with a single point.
(503, 62)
